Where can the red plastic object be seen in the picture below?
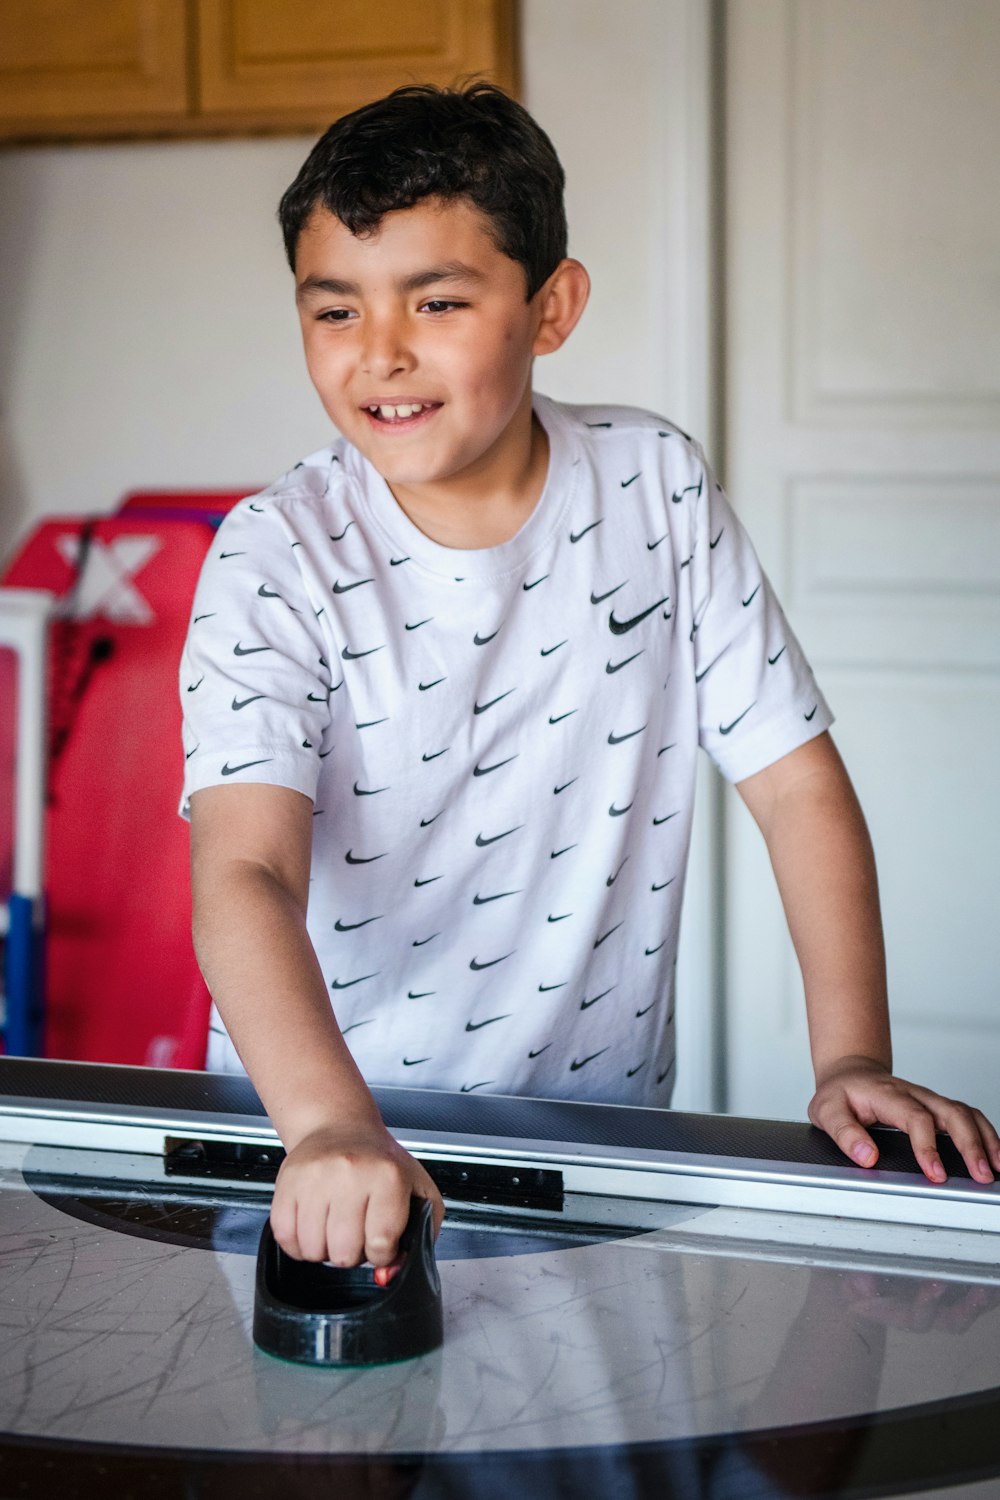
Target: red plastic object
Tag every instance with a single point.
(122, 981)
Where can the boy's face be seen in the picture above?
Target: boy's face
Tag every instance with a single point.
(419, 341)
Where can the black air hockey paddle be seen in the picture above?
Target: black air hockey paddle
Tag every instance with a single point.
(317, 1314)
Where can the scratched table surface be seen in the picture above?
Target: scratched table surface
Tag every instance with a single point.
(629, 1349)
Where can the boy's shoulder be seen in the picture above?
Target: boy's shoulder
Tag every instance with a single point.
(606, 426)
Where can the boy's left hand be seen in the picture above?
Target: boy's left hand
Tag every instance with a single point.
(859, 1092)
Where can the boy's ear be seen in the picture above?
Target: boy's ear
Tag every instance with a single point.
(561, 300)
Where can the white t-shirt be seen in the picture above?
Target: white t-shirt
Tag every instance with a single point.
(500, 746)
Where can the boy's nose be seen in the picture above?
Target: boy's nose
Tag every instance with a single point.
(386, 350)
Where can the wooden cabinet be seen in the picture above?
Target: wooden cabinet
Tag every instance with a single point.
(86, 69)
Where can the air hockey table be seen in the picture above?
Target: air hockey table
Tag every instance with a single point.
(637, 1303)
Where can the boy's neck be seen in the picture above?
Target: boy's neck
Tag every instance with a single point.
(488, 503)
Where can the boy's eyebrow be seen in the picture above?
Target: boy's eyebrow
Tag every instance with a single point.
(452, 270)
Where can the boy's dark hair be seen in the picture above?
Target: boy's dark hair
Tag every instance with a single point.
(420, 142)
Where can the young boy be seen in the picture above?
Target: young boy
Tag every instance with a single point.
(444, 687)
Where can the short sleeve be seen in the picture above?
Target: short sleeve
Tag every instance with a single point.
(757, 697)
(255, 685)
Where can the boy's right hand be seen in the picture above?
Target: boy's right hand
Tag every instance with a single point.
(343, 1195)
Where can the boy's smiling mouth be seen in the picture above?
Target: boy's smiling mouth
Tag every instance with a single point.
(399, 413)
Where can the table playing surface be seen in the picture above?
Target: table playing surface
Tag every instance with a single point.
(703, 1326)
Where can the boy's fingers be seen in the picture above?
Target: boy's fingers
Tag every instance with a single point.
(385, 1220)
(343, 1233)
(283, 1227)
(846, 1131)
(967, 1133)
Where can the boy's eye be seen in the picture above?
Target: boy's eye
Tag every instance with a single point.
(336, 315)
(441, 304)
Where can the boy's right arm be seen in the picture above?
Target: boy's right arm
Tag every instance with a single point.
(343, 1191)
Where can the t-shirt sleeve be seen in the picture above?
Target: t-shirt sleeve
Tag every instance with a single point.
(757, 696)
(255, 686)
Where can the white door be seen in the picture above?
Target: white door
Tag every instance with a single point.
(863, 450)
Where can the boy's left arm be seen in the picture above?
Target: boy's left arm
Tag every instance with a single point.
(822, 857)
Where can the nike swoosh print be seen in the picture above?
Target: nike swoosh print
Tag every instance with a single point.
(469, 1088)
(772, 659)
(540, 1050)
(485, 770)
(478, 1025)
(350, 655)
(411, 1062)
(426, 822)
(429, 881)
(633, 1071)
(232, 554)
(419, 942)
(664, 885)
(355, 1024)
(559, 717)
(627, 482)
(678, 495)
(424, 686)
(560, 918)
(265, 592)
(239, 650)
(481, 708)
(556, 852)
(612, 878)
(345, 984)
(658, 821)
(600, 598)
(436, 754)
(645, 1011)
(342, 534)
(699, 676)
(483, 640)
(557, 789)
(809, 716)
(419, 994)
(345, 588)
(340, 926)
(476, 966)
(651, 951)
(239, 703)
(619, 627)
(619, 739)
(320, 697)
(617, 666)
(527, 586)
(660, 1076)
(598, 424)
(728, 728)
(368, 723)
(575, 536)
(652, 546)
(210, 616)
(748, 602)
(574, 1065)
(586, 1004)
(543, 989)
(228, 770)
(192, 752)
(257, 509)
(618, 812)
(604, 937)
(360, 791)
(483, 900)
(671, 746)
(419, 623)
(194, 686)
(394, 562)
(358, 859)
(548, 650)
(712, 545)
(481, 842)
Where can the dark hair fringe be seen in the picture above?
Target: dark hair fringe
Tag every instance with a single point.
(420, 141)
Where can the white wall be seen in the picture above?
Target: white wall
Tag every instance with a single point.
(147, 334)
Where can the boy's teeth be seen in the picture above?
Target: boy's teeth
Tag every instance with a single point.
(390, 413)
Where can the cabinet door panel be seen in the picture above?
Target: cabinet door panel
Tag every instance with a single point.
(312, 60)
(63, 60)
